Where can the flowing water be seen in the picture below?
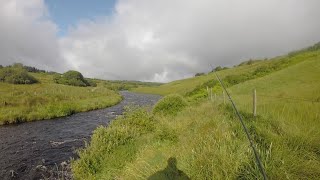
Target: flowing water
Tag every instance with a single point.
(27, 149)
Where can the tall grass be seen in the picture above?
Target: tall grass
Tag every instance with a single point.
(205, 142)
(170, 105)
(292, 126)
(110, 148)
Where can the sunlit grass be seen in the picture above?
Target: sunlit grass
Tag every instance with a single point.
(296, 134)
(206, 137)
(140, 144)
(46, 100)
(187, 85)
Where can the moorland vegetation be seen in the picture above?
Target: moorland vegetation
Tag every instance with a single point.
(204, 135)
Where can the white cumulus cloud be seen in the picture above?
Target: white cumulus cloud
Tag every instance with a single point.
(166, 40)
(27, 35)
(158, 40)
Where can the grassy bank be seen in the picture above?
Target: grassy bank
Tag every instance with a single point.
(46, 100)
(204, 139)
(207, 142)
(139, 144)
(54, 95)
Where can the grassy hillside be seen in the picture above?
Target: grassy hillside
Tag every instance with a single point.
(289, 101)
(118, 85)
(204, 140)
(187, 85)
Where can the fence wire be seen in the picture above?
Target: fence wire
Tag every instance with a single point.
(261, 168)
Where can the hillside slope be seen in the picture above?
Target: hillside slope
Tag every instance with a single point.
(187, 85)
(205, 139)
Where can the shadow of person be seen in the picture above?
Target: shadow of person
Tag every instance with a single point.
(171, 172)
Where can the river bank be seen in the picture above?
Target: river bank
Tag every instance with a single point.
(29, 148)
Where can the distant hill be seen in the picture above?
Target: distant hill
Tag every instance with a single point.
(251, 69)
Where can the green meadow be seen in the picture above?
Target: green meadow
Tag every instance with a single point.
(47, 100)
(189, 135)
(29, 94)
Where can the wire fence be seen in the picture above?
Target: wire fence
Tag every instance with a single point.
(279, 107)
(291, 98)
(256, 154)
(297, 112)
(221, 97)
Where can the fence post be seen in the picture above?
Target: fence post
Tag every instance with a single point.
(254, 102)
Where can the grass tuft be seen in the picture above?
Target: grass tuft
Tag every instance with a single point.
(170, 105)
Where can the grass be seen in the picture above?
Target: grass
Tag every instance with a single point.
(46, 100)
(206, 138)
(118, 85)
(186, 86)
(292, 126)
(139, 144)
(170, 105)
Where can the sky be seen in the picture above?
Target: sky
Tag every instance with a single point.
(151, 40)
(67, 14)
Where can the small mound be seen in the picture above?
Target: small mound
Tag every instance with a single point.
(72, 78)
(15, 75)
(170, 105)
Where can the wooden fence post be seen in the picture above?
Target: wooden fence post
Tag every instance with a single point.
(208, 92)
(254, 102)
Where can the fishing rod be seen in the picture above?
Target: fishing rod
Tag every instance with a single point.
(261, 168)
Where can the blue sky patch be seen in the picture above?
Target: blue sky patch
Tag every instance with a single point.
(66, 13)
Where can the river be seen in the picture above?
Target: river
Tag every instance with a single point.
(29, 150)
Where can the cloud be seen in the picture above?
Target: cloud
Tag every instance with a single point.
(158, 40)
(166, 40)
(27, 35)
